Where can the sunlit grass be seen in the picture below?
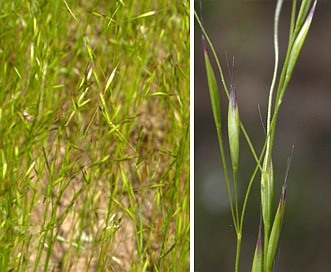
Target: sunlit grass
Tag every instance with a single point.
(94, 155)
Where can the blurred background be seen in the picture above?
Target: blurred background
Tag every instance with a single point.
(244, 29)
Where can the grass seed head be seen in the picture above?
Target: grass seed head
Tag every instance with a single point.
(298, 43)
(267, 195)
(258, 255)
(233, 121)
(276, 229)
(233, 130)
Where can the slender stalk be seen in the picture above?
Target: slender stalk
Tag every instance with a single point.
(214, 54)
(238, 249)
(276, 47)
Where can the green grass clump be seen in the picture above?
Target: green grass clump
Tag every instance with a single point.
(94, 129)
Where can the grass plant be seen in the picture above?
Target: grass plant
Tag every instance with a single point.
(271, 222)
(94, 135)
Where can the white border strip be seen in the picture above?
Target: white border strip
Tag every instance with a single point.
(191, 135)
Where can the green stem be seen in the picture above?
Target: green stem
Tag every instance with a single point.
(236, 199)
(236, 269)
(272, 87)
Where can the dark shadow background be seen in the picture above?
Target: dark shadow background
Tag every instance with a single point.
(245, 30)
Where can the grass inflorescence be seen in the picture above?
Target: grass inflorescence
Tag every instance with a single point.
(94, 151)
(271, 221)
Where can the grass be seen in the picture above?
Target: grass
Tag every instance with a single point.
(270, 222)
(94, 151)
